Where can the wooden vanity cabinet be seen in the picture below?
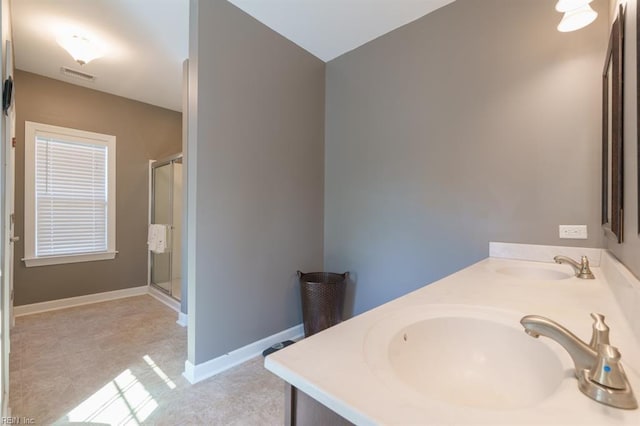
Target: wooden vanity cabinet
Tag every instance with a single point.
(302, 410)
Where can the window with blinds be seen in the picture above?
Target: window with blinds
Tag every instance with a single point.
(69, 188)
(71, 197)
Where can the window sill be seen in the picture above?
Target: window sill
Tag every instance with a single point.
(57, 260)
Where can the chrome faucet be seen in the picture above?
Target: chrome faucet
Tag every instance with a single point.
(597, 365)
(582, 269)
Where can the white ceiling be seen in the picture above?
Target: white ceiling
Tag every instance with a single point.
(147, 40)
(330, 28)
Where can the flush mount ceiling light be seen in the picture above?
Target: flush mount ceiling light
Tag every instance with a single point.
(80, 48)
(577, 14)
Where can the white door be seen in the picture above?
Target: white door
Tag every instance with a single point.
(8, 133)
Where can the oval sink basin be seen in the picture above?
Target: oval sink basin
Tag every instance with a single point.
(534, 273)
(464, 359)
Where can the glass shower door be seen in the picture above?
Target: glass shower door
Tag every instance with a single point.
(176, 234)
(161, 212)
(166, 210)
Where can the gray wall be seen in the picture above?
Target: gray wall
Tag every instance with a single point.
(256, 131)
(629, 251)
(477, 123)
(143, 132)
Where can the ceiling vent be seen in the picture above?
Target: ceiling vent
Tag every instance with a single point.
(77, 74)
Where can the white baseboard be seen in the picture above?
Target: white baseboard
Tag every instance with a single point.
(162, 297)
(183, 319)
(199, 372)
(53, 305)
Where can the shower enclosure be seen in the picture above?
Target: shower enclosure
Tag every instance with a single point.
(166, 210)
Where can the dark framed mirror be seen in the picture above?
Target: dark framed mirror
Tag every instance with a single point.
(612, 131)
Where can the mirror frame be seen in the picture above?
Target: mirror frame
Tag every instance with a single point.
(612, 133)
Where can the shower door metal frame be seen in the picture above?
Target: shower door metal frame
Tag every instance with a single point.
(152, 207)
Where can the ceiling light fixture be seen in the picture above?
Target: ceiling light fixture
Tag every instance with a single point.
(80, 48)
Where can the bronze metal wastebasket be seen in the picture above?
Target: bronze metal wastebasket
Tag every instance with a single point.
(322, 296)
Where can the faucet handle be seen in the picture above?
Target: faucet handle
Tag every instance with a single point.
(585, 271)
(608, 371)
(600, 332)
(584, 262)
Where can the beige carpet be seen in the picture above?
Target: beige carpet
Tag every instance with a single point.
(121, 362)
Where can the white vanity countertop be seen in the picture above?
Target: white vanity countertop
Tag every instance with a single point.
(332, 366)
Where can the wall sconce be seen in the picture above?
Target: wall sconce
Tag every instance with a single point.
(80, 48)
(577, 14)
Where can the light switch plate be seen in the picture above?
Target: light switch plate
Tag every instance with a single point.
(573, 232)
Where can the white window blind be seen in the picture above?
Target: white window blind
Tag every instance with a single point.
(69, 188)
(71, 197)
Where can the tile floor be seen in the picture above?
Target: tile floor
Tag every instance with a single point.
(121, 362)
